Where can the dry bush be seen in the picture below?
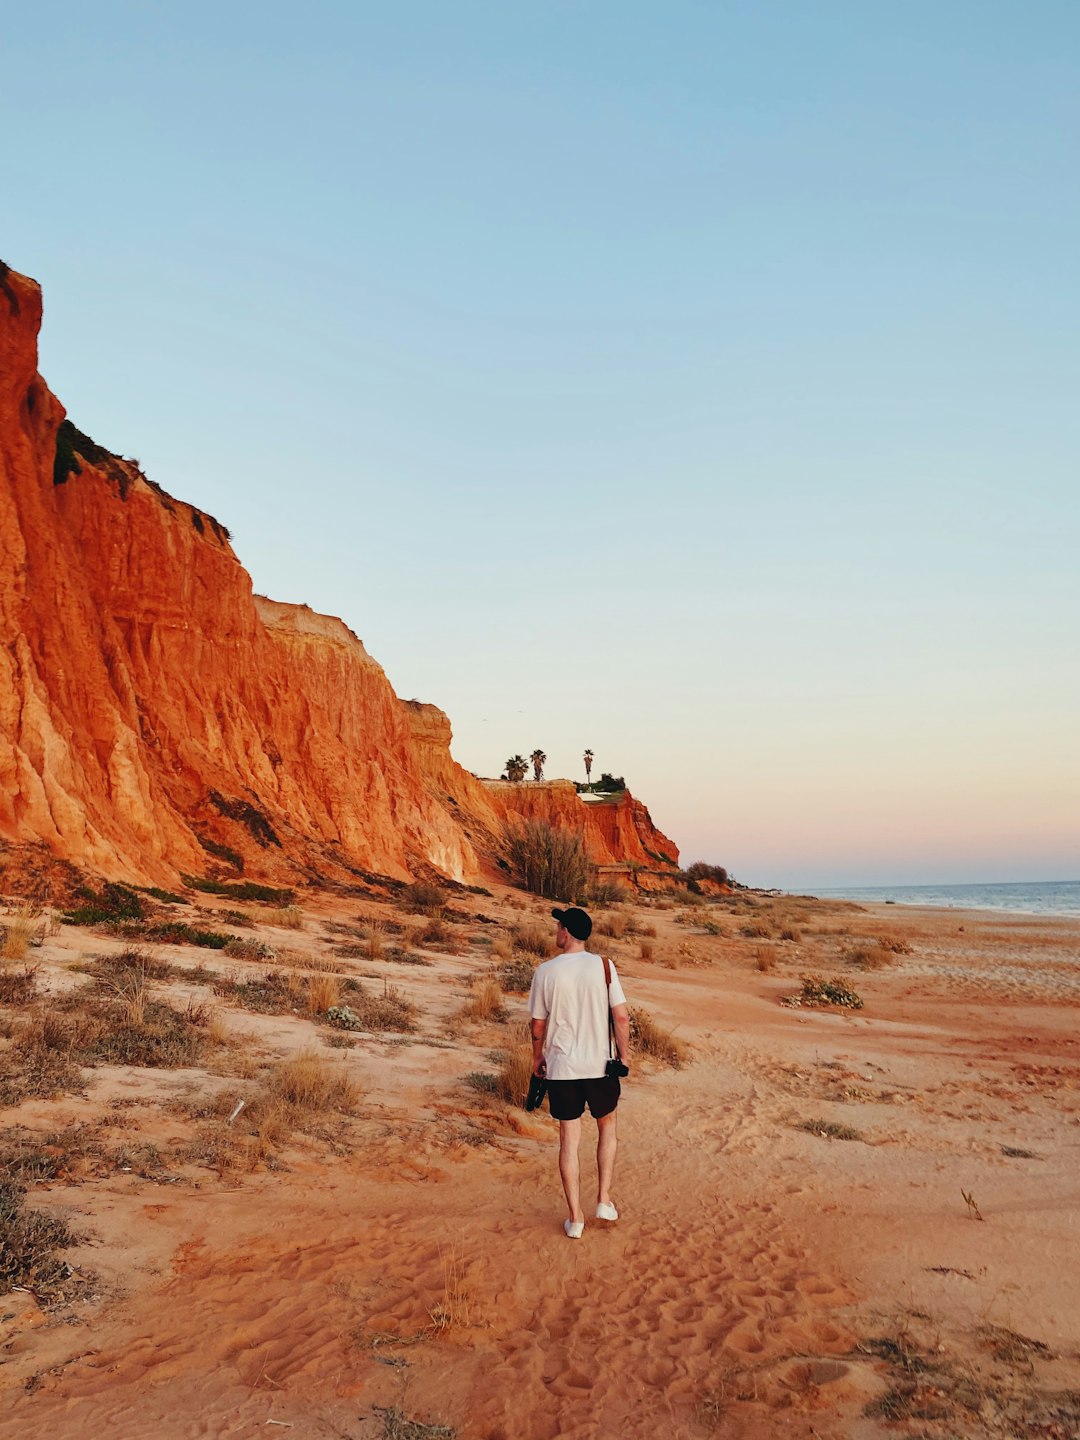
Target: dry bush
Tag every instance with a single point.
(373, 936)
(502, 947)
(867, 957)
(323, 992)
(123, 1027)
(647, 949)
(609, 892)
(423, 898)
(313, 1084)
(516, 976)
(533, 939)
(649, 930)
(764, 959)
(29, 1241)
(18, 987)
(250, 949)
(648, 1037)
(304, 1093)
(894, 944)
(309, 960)
(286, 917)
(615, 926)
(712, 927)
(364, 1011)
(756, 930)
(486, 1002)
(20, 931)
(515, 1073)
(789, 932)
(550, 861)
(435, 932)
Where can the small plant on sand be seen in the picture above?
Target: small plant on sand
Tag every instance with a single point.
(549, 861)
(647, 949)
(818, 991)
(829, 1130)
(764, 959)
(648, 1037)
(756, 930)
(789, 932)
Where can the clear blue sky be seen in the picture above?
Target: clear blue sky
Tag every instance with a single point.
(693, 381)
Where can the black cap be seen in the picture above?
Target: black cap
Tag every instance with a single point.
(575, 922)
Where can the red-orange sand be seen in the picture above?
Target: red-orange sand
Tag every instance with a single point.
(762, 1281)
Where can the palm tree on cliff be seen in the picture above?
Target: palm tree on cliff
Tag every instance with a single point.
(516, 767)
(588, 767)
(539, 760)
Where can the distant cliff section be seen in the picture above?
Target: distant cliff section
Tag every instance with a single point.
(158, 718)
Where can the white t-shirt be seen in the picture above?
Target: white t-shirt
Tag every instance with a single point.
(569, 992)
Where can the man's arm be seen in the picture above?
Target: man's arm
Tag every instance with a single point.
(621, 1016)
(539, 1030)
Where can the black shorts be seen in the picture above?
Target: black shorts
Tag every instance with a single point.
(567, 1098)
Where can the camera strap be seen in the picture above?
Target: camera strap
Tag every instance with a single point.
(613, 1049)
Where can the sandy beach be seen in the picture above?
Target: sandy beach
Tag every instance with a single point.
(795, 1254)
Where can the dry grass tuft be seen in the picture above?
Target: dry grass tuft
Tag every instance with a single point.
(648, 1037)
(514, 1075)
(502, 947)
(452, 1311)
(286, 917)
(323, 992)
(486, 1002)
(313, 1084)
(19, 931)
(647, 949)
(764, 959)
(615, 926)
(533, 939)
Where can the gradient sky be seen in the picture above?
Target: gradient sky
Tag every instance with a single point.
(697, 382)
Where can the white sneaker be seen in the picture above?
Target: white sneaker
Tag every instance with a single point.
(574, 1229)
(606, 1212)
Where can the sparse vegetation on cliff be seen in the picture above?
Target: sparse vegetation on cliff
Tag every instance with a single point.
(549, 861)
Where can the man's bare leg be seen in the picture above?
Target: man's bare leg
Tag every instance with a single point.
(570, 1167)
(607, 1142)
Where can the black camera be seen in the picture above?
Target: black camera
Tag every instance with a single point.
(615, 1069)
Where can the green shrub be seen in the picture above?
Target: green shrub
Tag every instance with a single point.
(240, 890)
(549, 861)
(112, 902)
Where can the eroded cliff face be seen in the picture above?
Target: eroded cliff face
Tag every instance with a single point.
(158, 717)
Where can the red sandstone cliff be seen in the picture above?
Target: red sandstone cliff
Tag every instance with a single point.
(154, 712)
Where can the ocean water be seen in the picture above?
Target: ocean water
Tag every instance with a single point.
(1042, 897)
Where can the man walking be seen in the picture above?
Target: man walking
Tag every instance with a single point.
(568, 1005)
